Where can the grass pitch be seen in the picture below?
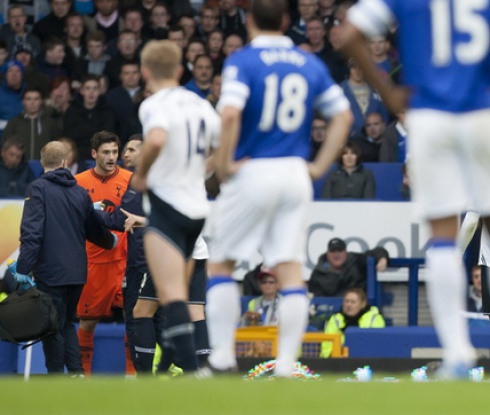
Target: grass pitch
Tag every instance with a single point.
(232, 395)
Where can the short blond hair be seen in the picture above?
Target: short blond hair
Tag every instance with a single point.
(53, 154)
(161, 58)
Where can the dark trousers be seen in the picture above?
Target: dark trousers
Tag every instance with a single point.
(61, 349)
(131, 291)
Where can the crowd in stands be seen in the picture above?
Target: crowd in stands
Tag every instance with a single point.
(70, 68)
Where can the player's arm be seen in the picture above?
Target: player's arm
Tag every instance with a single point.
(360, 24)
(230, 129)
(95, 232)
(31, 229)
(154, 142)
(131, 202)
(467, 230)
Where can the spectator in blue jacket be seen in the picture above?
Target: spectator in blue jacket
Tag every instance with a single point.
(58, 218)
(11, 92)
(15, 174)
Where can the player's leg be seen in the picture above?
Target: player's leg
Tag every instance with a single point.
(85, 333)
(283, 249)
(144, 336)
(167, 266)
(485, 269)
(439, 190)
(197, 299)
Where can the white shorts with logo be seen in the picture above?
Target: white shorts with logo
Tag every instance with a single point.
(449, 162)
(262, 208)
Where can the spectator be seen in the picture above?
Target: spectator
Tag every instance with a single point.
(202, 73)
(232, 19)
(132, 22)
(474, 300)
(72, 163)
(95, 61)
(214, 45)
(208, 21)
(33, 126)
(59, 96)
(356, 312)
(58, 218)
(194, 48)
(11, 92)
(378, 47)
(158, 26)
(15, 32)
(87, 116)
(263, 310)
(126, 98)
(4, 53)
(231, 44)
(326, 10)
(15, 174)
(336, 63)
(176, 35)
(189, 25)
(33, 77)
(394, 141)
(126, 50)
(215, 90)
(34, 10)
(107, 19)
(74, 44)
(52, 62)
(371, 141)
(297, 31)
(363, 100)
(318, 135)
(338, 270)
(350, 180)
(53, 25)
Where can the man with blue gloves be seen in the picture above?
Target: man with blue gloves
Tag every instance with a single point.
(57, 220)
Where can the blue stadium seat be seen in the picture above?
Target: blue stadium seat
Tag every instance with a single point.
(36, 168)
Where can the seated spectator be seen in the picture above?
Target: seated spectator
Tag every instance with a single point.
(107, 19)
(16, 34)
(356, 312)
(251, 284)
(37, 10)
(232, 19)
(193, 50)
(158, 26)
(318, 135)
(95, 61)
(53, 25)
(214, 45)
(215, 90)
(202, 73)
(51, 63)
(209, 17)
(59, 97)
(474, 300)
(176, 35)
(350, 180)
(326, 10)
(11, 92)
(73, 163)
(15, 174)
(378, 47)
(189, 25)
(297, 31)
(33, 77)
(33, 126)
(126, 51)
(338, 270)
(231, 44)
(363, 100)
(124, 99)
(87, 115)
(263, 310)
(371, 139)
(74, 44)
(394, 141)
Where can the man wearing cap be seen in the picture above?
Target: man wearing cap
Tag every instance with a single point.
(338, 270)
(11, 92)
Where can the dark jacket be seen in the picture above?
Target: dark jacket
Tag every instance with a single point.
(132, 202)
(340, 184)
(324, 282)
(80, 124)
(49, 26)
(58, 218)
(123, 107)
(34, 132)
(14, 182)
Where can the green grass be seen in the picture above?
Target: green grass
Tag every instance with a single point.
(42, 395)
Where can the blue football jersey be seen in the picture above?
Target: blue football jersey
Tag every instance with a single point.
(444, 48)
(278, 87)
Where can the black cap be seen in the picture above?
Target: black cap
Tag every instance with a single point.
(336, 244)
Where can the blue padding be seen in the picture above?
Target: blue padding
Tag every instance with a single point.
(442, 243)
(8, 357)
(388, 177)
(218, 280)
(398, 342)
(293, 291)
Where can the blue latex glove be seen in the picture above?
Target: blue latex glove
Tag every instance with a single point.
(12, 266)
(116, 240)
(24, 280)
(99, 206)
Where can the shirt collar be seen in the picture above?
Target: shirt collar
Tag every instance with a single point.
(271, 41)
